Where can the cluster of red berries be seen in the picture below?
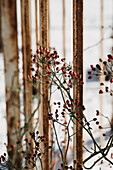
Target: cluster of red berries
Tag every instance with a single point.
(33, 152)
(48, 64)
(104, 68)
(3, 158)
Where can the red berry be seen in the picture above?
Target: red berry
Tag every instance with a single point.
(106, 89)
(105, 72)
(91, 66)
(4, 154)
(89, 73)
(81, 83)
(57, 68)
(63, 59)
(90, 77)
(101, 162)
(74, 74)
(94, 119)
(70, 81)
(104, 134)
(109, 56)
(65, 106)
(71, 73)
(98, 66)
(100, 60)
(102, 84)
(97, 122)
(67, 101)
(97, 113)
(88, 123)
(41, 48)
(57, 63)
(62, 165)
(105, 63)
(32, 69)
(49, 72)
(111, 80)
(100, 127)
(46, 68)
(94, 69)
(101, 92)
(109, 60)
(50, 67)
(75, 161)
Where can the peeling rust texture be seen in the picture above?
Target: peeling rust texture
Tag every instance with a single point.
(78, 68)
(36, 21)
(26, 52)
(10, 49)
(12, 59)
(11, 122)
(44, 43)
(28, 57)
(23, 54)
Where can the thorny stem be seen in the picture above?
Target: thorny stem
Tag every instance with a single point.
(88, 130)
(56, 79)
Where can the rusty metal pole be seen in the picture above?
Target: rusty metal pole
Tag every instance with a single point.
(44, 43)
(49, 23)
(40, 127)
(27, 27)
(112, 66)
(36, 21)
(101, 78)
(64, 54)
(10, 49)
(78, 68)
(64, 32)
(23, 56)
(26, 53)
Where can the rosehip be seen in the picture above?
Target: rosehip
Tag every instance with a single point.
(101, 92)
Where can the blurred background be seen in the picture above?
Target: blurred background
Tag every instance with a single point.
(98, 43)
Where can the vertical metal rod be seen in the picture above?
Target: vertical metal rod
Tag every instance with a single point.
(10, 49)
(26, 44)
(64, 54)
(27, 21)
(78, 68)
(36, 21)
(51, 126)
(23, 56)
(49, 23)
(101, 78)
(44, 43)
(74, 69)
(40, 116)
(64, 34)
(112, 69)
